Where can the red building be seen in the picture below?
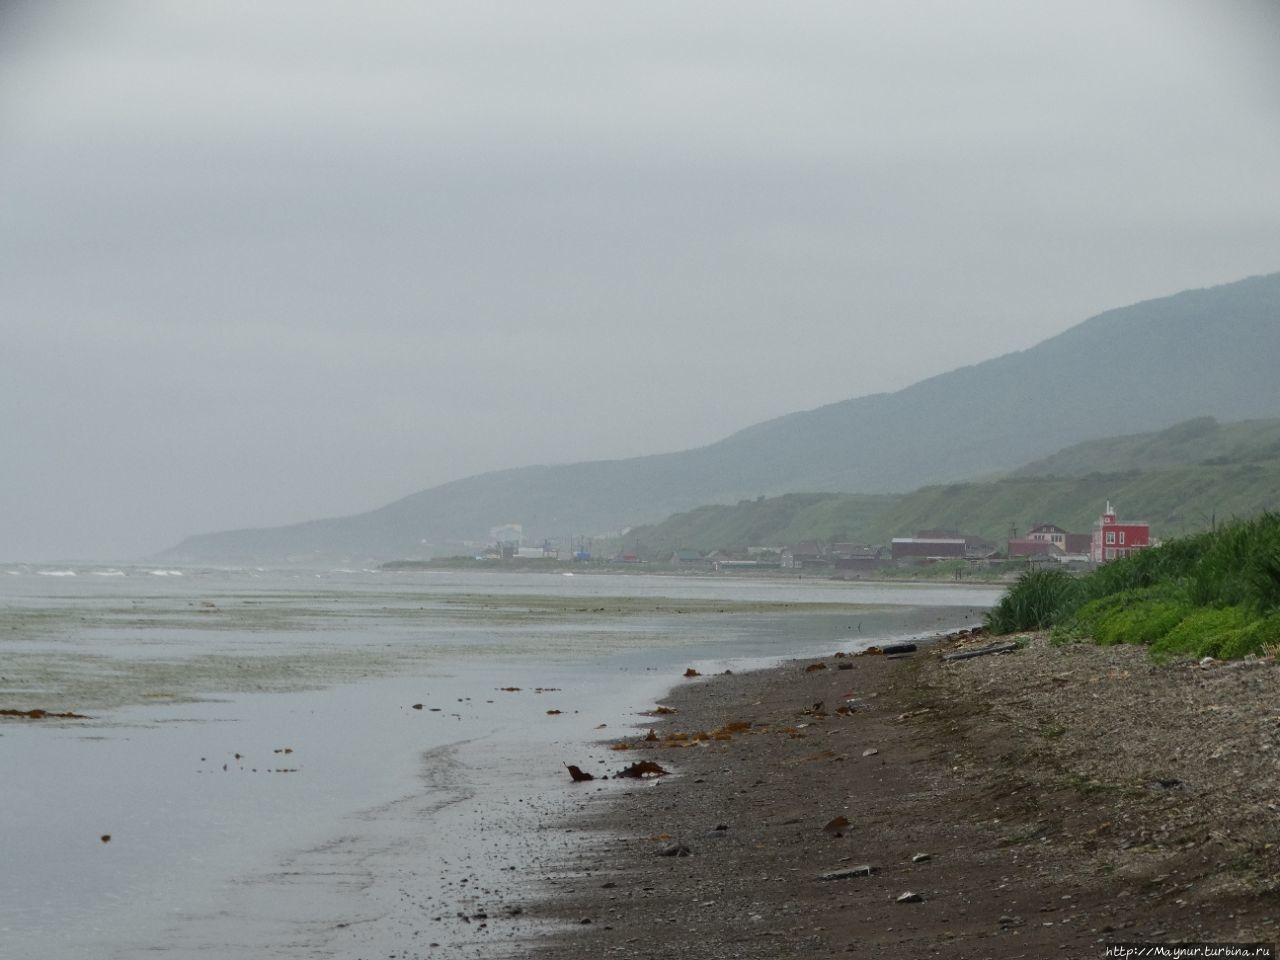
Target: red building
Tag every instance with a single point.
(1113, 538)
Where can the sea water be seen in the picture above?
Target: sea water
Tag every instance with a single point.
(335, 763)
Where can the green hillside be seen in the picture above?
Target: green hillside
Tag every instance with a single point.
(767, 522)
(1201, 440)
(1177, 499)
(1138, 368)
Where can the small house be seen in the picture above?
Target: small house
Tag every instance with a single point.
(688, 558)
(850, 559)
(804, 555)
(1020, 547)
(927, 548)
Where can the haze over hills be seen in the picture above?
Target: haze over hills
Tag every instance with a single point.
(1143, 367)
(1181, 479)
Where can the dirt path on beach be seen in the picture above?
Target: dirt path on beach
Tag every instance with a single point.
(1035, 804)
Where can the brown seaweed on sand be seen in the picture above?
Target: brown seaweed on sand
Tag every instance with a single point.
(643, 769)
(42, 715)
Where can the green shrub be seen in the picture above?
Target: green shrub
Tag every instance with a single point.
(1144, 622)
(1204, 632)
(1212, 594)
(1134, 616)
(1258, 637)
(1083, 624)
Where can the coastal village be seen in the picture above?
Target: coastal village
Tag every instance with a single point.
(1045, 544)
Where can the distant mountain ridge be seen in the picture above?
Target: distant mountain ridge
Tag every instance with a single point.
(1209, 352)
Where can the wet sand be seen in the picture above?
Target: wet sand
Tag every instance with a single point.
(359, 767)
(1036, 804)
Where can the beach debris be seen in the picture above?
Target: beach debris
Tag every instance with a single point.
(651, 736)
(733, 726)
(820, 755)
(844, 666)
(662, 711)
(546, 689)
(283, 750)
(817, 706)
(913, 713)
(643, 769)
(979, 652)
(909, 897)
(839, 655)
(417, 706)
(601, 726)
(897, 649)
(845, 873)
(692, 673)
(676, 849)
(838, 826)
(922, 857)
(508, 689)
(578, 774)
(42, 715)
(105, 838)
(815, 667)
(870, 752)
(553, 713)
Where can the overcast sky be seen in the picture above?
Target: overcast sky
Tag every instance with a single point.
(262, 262)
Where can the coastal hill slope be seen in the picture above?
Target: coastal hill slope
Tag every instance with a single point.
(1143, 367)
(1181, 480)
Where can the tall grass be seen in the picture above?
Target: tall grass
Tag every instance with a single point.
(1038, 600)
(1214, 594)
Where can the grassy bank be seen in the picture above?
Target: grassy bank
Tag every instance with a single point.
(1214, 594)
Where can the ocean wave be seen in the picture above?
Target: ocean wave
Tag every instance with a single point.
(56, 573)
(165, 573)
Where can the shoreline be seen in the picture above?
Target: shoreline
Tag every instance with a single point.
(287, 737)
(1039, 803)
(924, 574)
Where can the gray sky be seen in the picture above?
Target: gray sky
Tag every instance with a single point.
(266, 262)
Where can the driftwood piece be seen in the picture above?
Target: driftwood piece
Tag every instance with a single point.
(980, 651)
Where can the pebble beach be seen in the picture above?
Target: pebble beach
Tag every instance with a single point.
(1038, 803)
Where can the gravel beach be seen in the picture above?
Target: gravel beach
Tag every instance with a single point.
(1031, 804)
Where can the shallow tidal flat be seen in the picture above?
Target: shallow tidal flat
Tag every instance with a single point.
(349, 764)
(89, 655)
